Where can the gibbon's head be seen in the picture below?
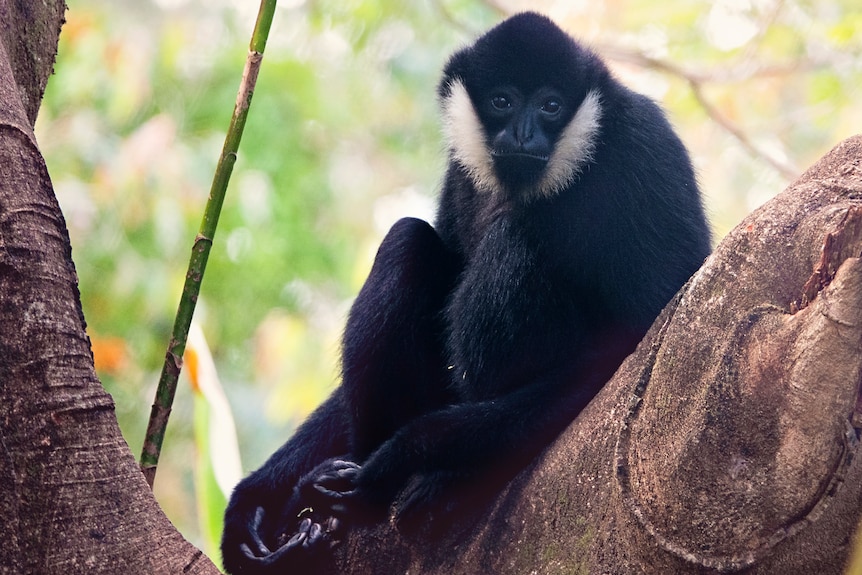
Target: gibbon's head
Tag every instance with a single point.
(522, 108)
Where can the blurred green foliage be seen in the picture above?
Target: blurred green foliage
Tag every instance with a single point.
(342, 139)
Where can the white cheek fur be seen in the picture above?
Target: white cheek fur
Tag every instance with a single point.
(466, 141)
(574, 149)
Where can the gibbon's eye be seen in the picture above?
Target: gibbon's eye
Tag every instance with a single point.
(501, 103)
(552, 107)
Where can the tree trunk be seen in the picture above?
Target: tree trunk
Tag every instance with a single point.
(725, 443)
(72, 498)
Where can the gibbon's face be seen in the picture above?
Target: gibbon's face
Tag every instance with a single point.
(521, 113)
(531, 145)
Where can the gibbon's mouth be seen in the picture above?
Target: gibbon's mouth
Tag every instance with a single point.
(519, 168)
(516, 156)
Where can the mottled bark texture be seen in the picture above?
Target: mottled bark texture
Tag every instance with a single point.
(72, 499)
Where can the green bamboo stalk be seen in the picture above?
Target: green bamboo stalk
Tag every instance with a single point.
(201, 249)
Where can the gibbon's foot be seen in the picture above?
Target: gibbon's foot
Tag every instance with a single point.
(309, 541)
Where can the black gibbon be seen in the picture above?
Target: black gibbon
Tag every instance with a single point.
(569, 216)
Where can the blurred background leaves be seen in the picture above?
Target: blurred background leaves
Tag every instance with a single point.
(343, 139)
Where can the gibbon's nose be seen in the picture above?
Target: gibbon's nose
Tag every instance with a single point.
(521, 139)
(523, 131)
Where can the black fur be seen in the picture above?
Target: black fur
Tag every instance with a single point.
(474, 343)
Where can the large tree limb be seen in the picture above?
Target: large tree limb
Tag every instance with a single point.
(71, 495)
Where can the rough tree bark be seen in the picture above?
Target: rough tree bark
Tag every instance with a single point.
(724, 444)
(72, 499)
